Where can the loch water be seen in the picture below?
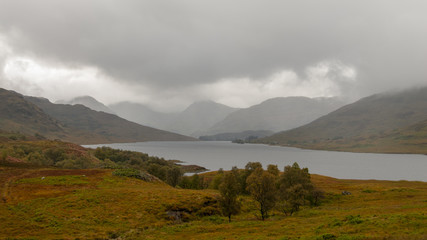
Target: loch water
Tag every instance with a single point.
(220, 154)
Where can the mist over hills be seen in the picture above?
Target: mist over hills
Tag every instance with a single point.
(210, 118)
(89, 102)
(276, 114)
(200, 116)
(379, 116)
(196, 118)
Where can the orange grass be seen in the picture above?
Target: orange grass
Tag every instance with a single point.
(97, 205)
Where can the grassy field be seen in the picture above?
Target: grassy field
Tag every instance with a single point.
(42, 203)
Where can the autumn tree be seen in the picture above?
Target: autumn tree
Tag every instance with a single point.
(273, 169)
(173, 176)
(229, 190)
(249, 169)
(295, 187)
(261, 186)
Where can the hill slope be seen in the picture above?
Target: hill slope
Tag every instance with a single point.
(94, 204)
(19, 115)
(374, 117)
(276, 114)
(101, 127)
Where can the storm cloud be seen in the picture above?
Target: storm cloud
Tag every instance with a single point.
(179, 48)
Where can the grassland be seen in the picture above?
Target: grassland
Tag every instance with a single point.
(41, 203)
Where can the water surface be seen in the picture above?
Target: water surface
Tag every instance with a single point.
(215, 155)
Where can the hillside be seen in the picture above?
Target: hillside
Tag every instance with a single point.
(372, 122)
(45, 203)
(100, 127)
(19, 115)
(89, 102)
(276, 115)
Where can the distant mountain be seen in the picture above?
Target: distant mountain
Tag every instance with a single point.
(89, 102)
(276, 114)
(142, 114)
(19, 115)
(199, 116)
(375, 117)
(99, 127)
(193, 120)
(246, 135)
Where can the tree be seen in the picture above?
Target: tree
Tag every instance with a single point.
(249, 169)
(315, 196)
(217, 179)
(273, 169)
(229, 190)
(295, 187)
(261, 185)
(173, 176)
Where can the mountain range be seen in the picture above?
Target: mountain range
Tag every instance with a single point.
(385, 122)
(196, 118)
(276, 114)
(209, 118)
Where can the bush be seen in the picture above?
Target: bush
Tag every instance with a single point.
(133, 173)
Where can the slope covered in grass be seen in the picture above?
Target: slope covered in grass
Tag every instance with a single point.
(368, 125)
(89, 204)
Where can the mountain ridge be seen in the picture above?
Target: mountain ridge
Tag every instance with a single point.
(361, 124)
(275, 114)
(89, 102)
(75, 123)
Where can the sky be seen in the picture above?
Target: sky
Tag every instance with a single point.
(168, 54)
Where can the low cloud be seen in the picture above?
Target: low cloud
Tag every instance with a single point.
(325, 79)
(36, 78)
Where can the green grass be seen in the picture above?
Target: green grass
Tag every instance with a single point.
(55, 180)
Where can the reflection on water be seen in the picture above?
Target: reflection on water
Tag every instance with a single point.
(215, 155)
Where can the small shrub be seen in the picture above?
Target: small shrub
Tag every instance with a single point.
(353, 219)
(133, 173)
(328, 236)
(368, 191)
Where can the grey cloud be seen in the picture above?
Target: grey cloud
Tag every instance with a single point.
(169, 43)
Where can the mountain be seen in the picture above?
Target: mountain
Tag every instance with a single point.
(276, 114)
(199, 116)
(19, 115)
(89, 102)
(90, 126)
(363, 123)
(246, 135)
(142, 114)
(195, 119)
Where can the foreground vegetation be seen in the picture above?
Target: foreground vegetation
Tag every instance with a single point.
(40, 203)
(57, 190)
(18, 148)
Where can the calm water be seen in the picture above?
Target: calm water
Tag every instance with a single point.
(215, 155)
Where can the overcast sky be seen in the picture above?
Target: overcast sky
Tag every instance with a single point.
(168, 54)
